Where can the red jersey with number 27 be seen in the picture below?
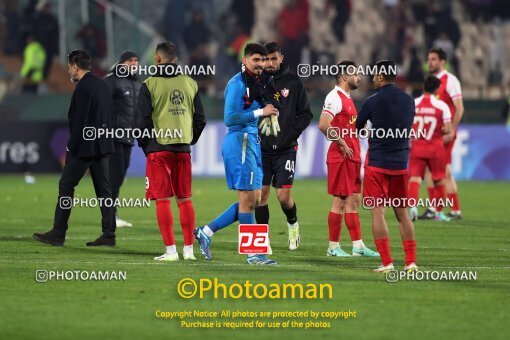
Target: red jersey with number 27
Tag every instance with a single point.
(431, 114)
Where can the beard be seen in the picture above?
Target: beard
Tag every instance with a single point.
(353, 86)
(433, 70)
(271, 70)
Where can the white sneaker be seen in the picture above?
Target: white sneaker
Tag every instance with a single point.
(383, 269)
(121, 223)
(187, 254)
(168, 257)
(294, 238)
(412, 267)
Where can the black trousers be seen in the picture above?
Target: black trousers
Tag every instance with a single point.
(119, 163)
(74, 170)
(47, 65)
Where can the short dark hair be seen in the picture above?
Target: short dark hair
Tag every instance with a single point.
(431, 84)
(254, 48)
(79, 58)
(440, 53)
(168, 50)
(385, 69)
(342, 66)
(273, 47)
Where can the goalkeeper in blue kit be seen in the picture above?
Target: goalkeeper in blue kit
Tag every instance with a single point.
(241, 148)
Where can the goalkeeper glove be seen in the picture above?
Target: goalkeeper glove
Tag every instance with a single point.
(265, 126)
(275, 127)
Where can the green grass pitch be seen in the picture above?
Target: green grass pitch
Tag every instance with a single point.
(125, 309)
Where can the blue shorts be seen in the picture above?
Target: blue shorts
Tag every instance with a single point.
(243, 161)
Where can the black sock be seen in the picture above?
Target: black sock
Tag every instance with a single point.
(290, 213)
(262, 214)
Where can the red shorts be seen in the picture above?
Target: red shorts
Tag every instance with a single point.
(382, 185)
(344, 178)
(448, 149)
(168, 174)
(436, 164)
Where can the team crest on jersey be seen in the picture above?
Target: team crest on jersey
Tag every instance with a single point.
(285, 92)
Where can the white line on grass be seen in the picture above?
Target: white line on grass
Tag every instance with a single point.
(234, 264)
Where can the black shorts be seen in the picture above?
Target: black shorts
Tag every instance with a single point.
(279, 168)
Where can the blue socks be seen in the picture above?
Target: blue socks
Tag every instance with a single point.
(228, 217)
(246, 218)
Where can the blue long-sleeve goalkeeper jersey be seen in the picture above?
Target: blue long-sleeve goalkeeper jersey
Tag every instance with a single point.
(241, 147)
(236, 117)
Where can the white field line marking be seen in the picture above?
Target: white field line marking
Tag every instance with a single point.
(226, 241)
(231, 241)
(231, 264)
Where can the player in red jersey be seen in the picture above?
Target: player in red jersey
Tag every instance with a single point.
(451, 93)
(337, 122)
(431, 122)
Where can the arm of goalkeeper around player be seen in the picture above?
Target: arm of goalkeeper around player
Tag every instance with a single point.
(333, 134)
(232, 115)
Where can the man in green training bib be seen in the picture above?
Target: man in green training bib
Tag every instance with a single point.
(170, 114)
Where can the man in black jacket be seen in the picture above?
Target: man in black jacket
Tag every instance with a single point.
(125, 88)
(287, 92)
(91, 109)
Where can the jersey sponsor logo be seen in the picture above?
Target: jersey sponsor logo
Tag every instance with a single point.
(285, 92)
(253, 239)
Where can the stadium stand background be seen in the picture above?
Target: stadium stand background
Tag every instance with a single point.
(363, 30)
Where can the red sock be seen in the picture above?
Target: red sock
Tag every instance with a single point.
(187, 217)
(352, 223)
(165, 221)
(383, 247)
(440, 197)
(455, 199)
(414, 190)
(432, 192)
(335, 226)
(410, 250)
